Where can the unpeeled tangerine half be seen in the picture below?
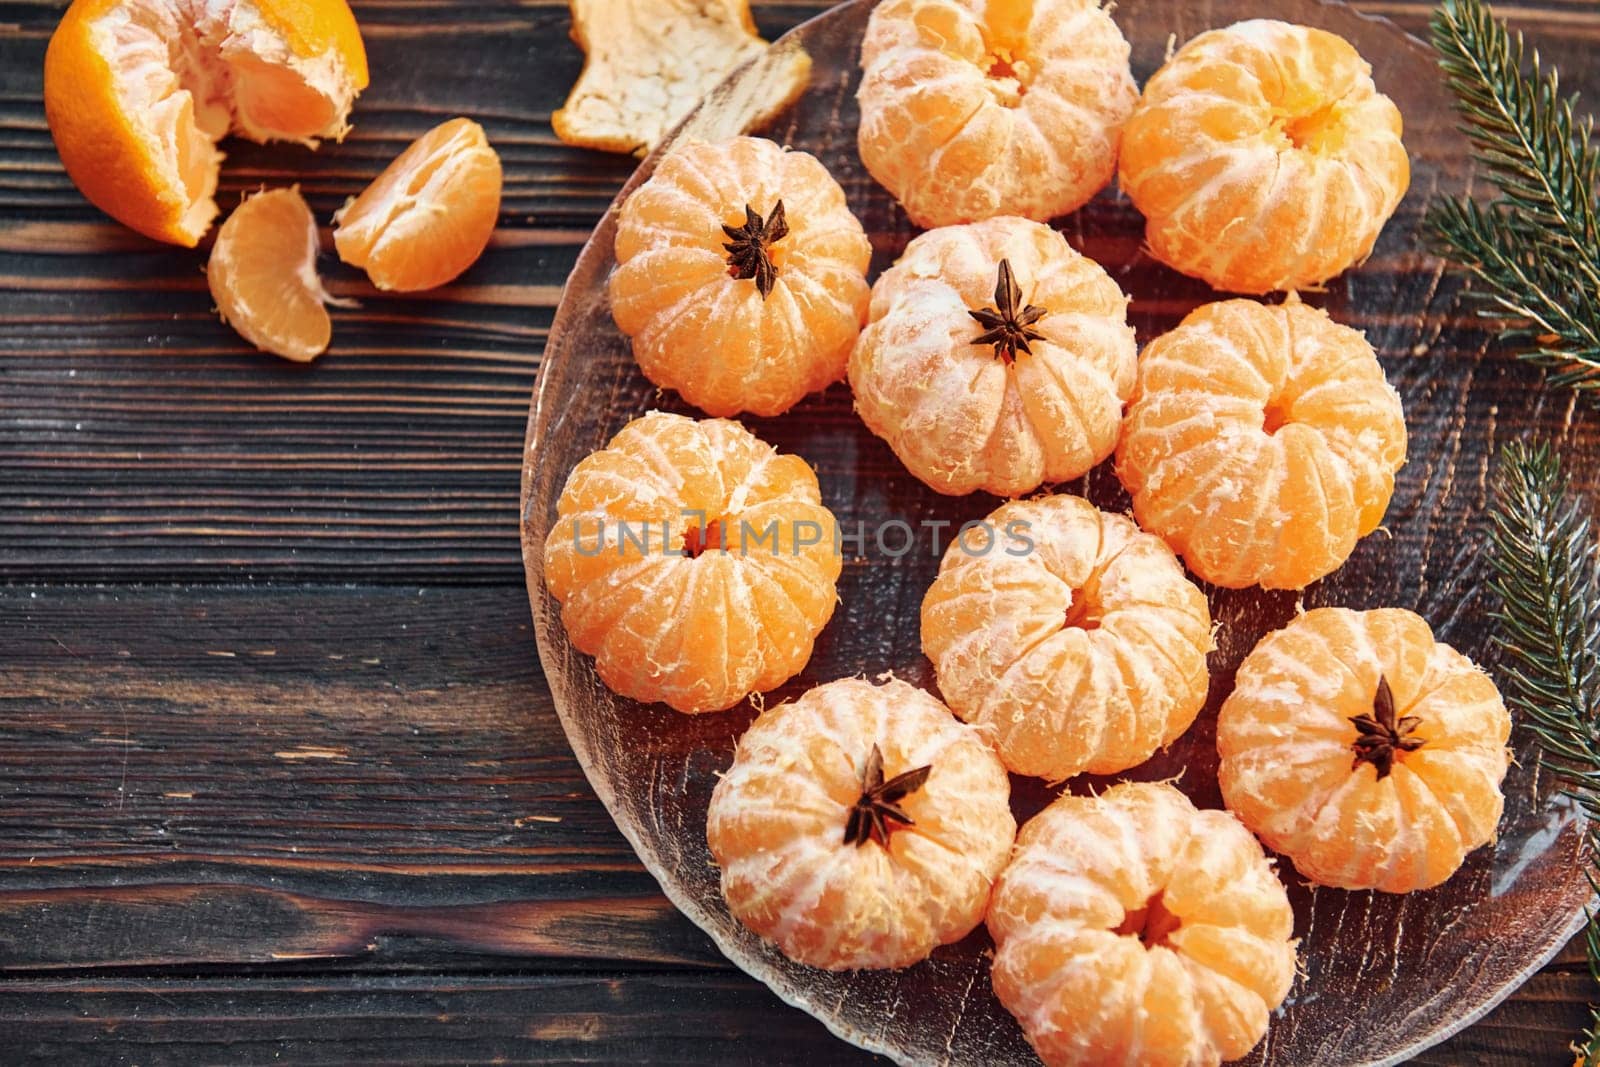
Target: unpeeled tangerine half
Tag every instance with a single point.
(138, 93)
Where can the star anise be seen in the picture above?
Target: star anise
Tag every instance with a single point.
(878, 810)
(747, 251)
(1006, 326)
(1380, 736)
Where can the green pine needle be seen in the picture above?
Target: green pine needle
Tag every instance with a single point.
(1535, 249)
(1546, 573)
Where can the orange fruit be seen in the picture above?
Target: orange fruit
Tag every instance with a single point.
(1131, 928)
(1263, 157)
(1261, 443)
(138, 93)
(263, 275)
(1071, 634)
(980, 384)
(1365, 751)
(741, 275)
(429, 215)
(971, 110)
(860, 826)
(692, 561)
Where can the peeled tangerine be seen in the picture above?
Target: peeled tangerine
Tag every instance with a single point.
(1363, 750)
(977, 108)
(741, 276)
(1263, 157)
(429, 215)
(861, 826)
(1132, 929)
(695, 563)
(1071, 634)
(1262, 442)
(996, 358)
(139, 92)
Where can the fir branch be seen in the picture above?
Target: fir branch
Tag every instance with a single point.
(1535, 249)
(1546, 573)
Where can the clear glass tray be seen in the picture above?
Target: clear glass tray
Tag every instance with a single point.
(1384, 976)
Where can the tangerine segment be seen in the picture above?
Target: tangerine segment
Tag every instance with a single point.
(137, 94)
(795, 868)
(1071, 634)
(263, 276)
(1392, 803)
(972, 109)
(1262, 442)
(1131, 928)
(1263, 157)
(741, 275)
(429, 215)
(964, 415)
(695, 563)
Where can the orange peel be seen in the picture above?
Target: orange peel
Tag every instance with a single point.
(648, 63)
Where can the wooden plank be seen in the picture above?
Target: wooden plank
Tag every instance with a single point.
(603, 1019)
(1537, 1025)
(623, 1017)
(250, 774)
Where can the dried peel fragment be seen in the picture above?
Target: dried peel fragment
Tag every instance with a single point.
(648, 62)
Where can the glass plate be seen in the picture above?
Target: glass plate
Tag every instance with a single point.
(1383, 976)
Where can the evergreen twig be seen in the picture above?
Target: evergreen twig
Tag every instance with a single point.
(1534, 250)
(1546, 574)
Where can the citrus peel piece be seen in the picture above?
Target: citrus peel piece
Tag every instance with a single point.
(648, 62)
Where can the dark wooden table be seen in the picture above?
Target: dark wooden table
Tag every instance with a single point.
(279, 777)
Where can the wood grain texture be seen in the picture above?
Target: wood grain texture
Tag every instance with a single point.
(256, 813)
(547, 1019)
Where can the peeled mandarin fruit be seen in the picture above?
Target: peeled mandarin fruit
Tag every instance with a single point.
(1071, 634)
(1365, 751)
(1132, 929)
(860, 826)
(981, 383)
(138, 93)
(429, 215)
(1263, 157)
(1261, 443)
(741, 276)
(695, 563)
(263, 275)
(972, 109)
